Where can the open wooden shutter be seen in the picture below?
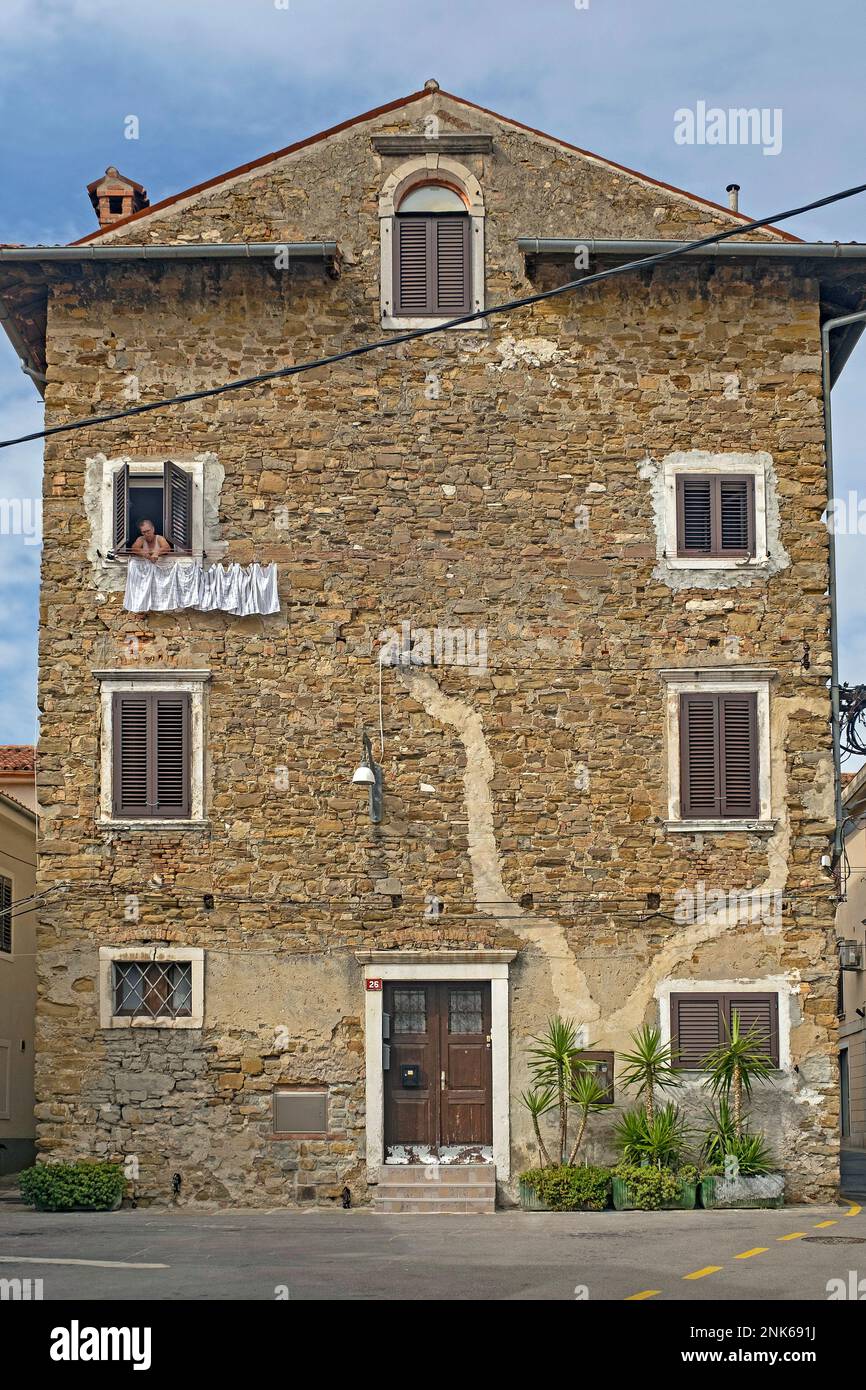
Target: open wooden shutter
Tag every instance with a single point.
(151, 754)
(736, 516)
(758, 1011)
(120, 508)
(452, 265)
(130, 739)
(413, 258)
(177, 506)
(699, 756)
(738, 731)
(694, 515)
(5, 914)
(696, 1027)
(171, 744)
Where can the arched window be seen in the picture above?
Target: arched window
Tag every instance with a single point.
(432, 258)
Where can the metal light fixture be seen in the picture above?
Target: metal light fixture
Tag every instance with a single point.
(368, 773)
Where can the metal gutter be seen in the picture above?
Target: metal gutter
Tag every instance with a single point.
(826, 329)
(192, 251)
(566, 246)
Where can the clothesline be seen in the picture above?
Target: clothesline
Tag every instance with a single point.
(170, 584)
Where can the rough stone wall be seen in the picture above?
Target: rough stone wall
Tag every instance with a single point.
(383, 505)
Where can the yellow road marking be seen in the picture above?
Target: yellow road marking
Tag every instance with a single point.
(855, 1210)
(795, 1235)
(702, 1273)
(747, 1254)
(647, 1293)
(819, 1225)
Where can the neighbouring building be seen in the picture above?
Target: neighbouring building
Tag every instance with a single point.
(17, 955)
(566, 568)
(852, 975)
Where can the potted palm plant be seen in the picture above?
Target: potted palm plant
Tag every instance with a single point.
(746, 1172)
(562, 1083)
(653, 1172)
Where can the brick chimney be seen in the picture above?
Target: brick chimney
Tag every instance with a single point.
(114, 196)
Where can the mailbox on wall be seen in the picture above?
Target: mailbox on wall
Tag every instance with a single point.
(410, 1075)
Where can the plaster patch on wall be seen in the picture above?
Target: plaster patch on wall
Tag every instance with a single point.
(525, 352)
(681, 574)
(568, 982)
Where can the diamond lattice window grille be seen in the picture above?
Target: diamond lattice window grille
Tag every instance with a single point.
(153, 989)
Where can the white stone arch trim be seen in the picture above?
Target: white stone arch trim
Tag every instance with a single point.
(428, 168)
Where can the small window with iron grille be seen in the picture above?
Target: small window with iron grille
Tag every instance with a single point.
(6, 915)
(153, 989)
(151, 986)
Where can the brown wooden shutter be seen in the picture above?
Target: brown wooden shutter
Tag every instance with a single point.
(452, 265)
(151, 755)
(738, 731)
(5, 914)
(694, 515)
(120, 508)
(412, 262)
(715, 516)
(719, 756)
(759, 1011)
(736, 516)
(699, 756)
(171, 739)
(177, 506)
(696, 1027)
(130, 751)
(701, 1022)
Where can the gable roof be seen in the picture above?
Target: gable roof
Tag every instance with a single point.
(397, 105)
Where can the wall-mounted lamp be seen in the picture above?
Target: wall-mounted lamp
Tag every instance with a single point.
(369, 774)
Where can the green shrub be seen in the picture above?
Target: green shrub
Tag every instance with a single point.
(568, 1189)
(64, 1186)
(650, 1187)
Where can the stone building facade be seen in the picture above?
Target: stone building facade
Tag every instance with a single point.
(506, 489)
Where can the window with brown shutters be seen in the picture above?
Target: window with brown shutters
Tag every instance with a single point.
(702, 1022)
(431, 265)
(715, 516)
(5, 915)
(719, 756)
(164, 497)
(151, 750)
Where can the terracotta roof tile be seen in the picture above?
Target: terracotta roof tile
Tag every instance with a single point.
(17, 757)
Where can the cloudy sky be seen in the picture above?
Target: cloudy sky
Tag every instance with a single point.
(215, 83)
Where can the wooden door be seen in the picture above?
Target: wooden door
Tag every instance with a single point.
(438, 1087)
(466, 1110)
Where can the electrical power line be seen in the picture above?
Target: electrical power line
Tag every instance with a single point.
(508, 307)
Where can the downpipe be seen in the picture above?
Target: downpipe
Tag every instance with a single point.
(826, 329)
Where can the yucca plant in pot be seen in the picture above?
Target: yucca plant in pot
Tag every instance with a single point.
(747, 1173)
(563, 1083)
(653, 1172)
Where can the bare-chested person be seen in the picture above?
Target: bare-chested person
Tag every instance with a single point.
(149, 546)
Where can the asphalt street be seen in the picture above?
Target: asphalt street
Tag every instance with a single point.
(358, 1255)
